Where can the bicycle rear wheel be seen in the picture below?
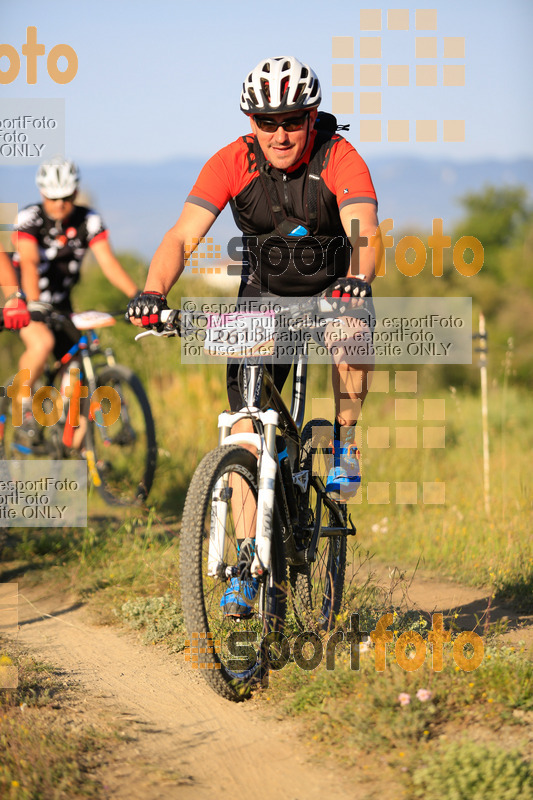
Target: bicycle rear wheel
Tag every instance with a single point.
(121, 456)
(317, 587)
(221, 505)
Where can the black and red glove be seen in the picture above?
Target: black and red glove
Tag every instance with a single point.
(348, 289)
(147, 306)
(16, 314)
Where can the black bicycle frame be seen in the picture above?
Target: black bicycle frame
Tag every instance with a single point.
(290, 425)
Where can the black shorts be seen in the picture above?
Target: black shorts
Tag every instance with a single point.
(234, 373)
(63, 341)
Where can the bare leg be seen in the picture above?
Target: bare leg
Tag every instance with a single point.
(243, 504)
(39, 342)
(350, 386)
(351, 381)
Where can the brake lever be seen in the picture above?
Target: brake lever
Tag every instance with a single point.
(166, 334)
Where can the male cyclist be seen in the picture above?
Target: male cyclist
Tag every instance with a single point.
(53, 237)
(290, 187)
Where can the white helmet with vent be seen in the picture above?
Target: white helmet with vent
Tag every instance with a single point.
(57, 178)
(278, 85)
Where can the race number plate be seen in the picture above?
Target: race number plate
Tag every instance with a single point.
(240, 334)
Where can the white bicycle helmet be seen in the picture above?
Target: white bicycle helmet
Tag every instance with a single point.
(57, 178)
(280, 84)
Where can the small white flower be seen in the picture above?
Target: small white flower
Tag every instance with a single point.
(404, 698)
(423, 695)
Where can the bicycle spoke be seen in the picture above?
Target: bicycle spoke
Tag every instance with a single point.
(121, 438)
(317, 587)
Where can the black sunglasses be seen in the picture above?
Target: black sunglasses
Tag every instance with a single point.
(69, 199)
(290, 125)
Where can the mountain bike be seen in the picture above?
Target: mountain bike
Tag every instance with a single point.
(104, 418)
(272, 482)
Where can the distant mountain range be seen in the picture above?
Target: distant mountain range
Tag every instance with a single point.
(139, 202)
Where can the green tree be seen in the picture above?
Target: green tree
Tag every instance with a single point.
(499, 217)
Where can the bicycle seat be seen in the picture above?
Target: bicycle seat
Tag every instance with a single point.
(87, 320)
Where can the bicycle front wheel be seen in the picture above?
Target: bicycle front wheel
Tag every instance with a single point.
(220, 510)
(317, 587)
(20, 442)
(121, 446)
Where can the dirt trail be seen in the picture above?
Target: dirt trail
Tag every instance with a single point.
(470, 608)
(182, 740)
(189, 743)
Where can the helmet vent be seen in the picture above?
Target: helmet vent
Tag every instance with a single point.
(266, 88)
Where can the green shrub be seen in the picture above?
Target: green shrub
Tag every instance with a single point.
(471, 771)
(160, 618)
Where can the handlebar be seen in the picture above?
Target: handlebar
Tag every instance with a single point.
(39, 312)
(71, 324)
(298, 313)
(43, 312)
(171, 318)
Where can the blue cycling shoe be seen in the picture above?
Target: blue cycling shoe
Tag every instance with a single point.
(341, 486)
(343, 481)
(237, 601)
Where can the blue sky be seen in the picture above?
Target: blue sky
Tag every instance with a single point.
(158, 79)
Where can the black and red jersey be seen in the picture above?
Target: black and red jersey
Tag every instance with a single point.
(62, 246)
(309, 249)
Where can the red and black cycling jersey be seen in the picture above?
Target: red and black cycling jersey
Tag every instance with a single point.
(306, 252)
(62, 246)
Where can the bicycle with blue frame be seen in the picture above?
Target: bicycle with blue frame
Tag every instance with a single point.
(111, 426)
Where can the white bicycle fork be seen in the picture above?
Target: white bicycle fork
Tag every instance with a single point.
(266, 448)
